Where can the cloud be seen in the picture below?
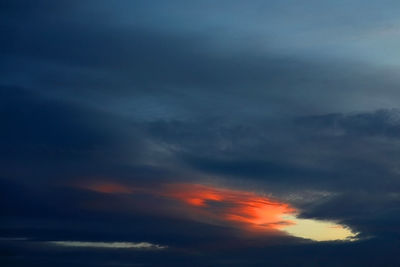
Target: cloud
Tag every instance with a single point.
(247, 211)
(126, 122)
(107, 245)
(147, 72)
(106, 187)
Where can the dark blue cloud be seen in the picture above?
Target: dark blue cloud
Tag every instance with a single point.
(297, 102)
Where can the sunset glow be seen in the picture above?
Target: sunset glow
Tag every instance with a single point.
(240, 209)
(243, 209)
(208, 133)
(318, 230)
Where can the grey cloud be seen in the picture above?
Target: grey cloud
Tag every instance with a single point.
(243, 95)
(352, 157)
(147, 72)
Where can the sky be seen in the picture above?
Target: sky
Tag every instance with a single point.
(201, 133)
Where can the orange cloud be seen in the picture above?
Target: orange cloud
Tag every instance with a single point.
(241, 208)
(193, 194)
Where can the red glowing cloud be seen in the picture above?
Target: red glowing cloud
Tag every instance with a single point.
(193, 194)
(240, 208)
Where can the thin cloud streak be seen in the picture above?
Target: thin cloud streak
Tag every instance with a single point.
(108, 245)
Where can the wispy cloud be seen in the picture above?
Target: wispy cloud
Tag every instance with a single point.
(107, 245)
(240, 209)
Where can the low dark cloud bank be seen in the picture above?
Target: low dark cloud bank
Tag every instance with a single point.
(99, 100)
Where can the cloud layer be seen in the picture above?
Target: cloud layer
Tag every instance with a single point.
(190, 125)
